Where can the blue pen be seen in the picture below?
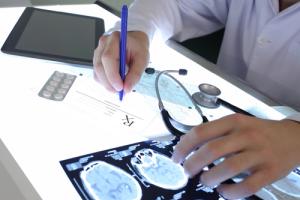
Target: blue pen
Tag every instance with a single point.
(123, 39)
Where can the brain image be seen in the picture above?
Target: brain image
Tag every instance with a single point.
(159, 169)
(289, 185)
(104, 181)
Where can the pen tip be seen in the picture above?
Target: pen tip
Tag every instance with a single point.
(121, 93)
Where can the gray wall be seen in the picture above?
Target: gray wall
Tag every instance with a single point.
(116, 4)
(10, 3)
(47, 2)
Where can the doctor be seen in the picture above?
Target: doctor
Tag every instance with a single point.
(261, 45)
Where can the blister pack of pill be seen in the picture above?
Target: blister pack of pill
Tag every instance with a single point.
(57, 86)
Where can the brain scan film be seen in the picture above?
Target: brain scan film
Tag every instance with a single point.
(107, 182)
(159, 170)
(289, 185)
(142, 170)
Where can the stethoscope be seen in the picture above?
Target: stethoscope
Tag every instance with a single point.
(207, 97)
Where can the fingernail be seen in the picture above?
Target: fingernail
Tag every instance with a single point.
(220, 190)
(187, 173)
(174, 159)
(118, 87)
(201, 179)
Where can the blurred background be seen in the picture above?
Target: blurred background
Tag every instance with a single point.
(206, 46)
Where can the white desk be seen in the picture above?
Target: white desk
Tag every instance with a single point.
(39, 133)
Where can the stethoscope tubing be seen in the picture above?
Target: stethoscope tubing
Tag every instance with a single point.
(233, 107)
(165, 114)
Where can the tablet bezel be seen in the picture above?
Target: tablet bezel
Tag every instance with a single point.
(12, 40)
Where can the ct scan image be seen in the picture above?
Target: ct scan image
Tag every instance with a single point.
(141, 170)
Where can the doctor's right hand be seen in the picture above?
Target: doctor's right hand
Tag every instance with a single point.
(106, 60)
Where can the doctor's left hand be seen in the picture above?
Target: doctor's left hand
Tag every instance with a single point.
(265, 150)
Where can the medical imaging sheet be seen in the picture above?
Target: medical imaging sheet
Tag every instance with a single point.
(141, 170)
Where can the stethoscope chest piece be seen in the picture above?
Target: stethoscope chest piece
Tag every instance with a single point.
(207, 96)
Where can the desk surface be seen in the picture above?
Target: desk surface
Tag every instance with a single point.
(39, 133)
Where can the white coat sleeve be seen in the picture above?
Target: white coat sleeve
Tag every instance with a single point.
(178, 19)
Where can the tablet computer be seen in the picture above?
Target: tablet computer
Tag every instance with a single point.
(55, 36)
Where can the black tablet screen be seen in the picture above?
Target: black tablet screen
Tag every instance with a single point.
(55, 35)
(58, 34)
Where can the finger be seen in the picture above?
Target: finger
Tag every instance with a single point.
(230, 167)
(101, 78)
(135, 71)
(99, 49)
(97, 55)
(247, 187)
(110, 61)
(99, 74)
(203, 133)
(213, 150)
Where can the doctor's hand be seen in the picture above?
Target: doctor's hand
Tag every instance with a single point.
(264, 150)
(106, 60)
